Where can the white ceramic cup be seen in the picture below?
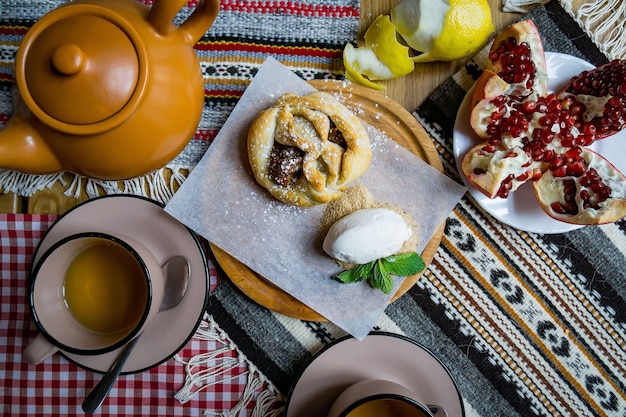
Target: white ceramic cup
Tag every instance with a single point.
(381, 398)
(58, 326)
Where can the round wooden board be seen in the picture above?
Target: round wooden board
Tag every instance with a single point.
(397, 123)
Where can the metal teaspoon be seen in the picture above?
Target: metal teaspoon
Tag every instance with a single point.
(176, 273)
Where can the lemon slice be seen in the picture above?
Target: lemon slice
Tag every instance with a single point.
(381, 58)
(443, 30)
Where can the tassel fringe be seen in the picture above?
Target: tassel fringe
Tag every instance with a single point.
(602, 21)
(208, 369)
(26, 185)
(159, 185)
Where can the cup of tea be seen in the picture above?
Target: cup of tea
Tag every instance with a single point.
(381, 398)
(91, 293)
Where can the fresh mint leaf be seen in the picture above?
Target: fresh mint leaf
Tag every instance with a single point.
(379, 272)
(347, 277)
(365, 270)
(376, 279)
(381, 278)
(356, 274)
(404, 265)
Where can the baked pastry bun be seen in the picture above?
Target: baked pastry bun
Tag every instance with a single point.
(306, 149)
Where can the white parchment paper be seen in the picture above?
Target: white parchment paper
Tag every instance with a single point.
(221, 201)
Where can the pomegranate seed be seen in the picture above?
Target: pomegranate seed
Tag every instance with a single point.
(614, 102)
(493, 130)
(559, 172)
(494, 140)
(524, 175)
(498, 114)
(576, 169)
(505, 187)
(529, 107)
(557, 208)
(573, 152)
(605, 122)
(499, 101)
(614, 114)
(589, 129)
(563, 209)
(593, 174)
(585, 181)
(569, 186)
(547, 137)
(493, 56)
(547, 157)
(577, 108)
(597, 187)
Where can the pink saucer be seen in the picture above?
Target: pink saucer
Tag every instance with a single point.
(379, 355)
(146, 221)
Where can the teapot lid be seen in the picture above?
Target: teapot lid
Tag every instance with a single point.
(80, 65)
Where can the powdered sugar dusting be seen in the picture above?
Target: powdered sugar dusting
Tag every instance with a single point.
(261, 212)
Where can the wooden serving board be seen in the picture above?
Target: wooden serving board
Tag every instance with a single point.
(398, 124)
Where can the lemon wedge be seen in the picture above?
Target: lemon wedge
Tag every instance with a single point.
(443, 30)
(381, 58)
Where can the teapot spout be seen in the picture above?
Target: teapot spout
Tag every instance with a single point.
(23, 149)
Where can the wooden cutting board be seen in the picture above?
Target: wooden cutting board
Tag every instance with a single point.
(397, 123)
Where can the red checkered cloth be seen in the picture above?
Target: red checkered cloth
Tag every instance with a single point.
(58, 387)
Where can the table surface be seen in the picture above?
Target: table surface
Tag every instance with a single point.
(543, 327)
(410, 91)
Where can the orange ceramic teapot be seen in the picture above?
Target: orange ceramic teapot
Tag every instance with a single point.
(108, 89)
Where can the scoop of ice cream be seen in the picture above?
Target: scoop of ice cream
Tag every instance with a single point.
(366, 235)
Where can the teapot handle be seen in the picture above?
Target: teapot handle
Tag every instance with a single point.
(163, 13)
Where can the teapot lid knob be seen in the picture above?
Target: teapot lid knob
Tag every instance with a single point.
(79, 66)
(68, 59)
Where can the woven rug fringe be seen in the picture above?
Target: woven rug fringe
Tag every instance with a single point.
(26, 185)
(207, 369)
(156, 185)
(602, 21)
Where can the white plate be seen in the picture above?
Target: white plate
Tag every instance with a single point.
(380, 355)
(521, 210)
(146, 221)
